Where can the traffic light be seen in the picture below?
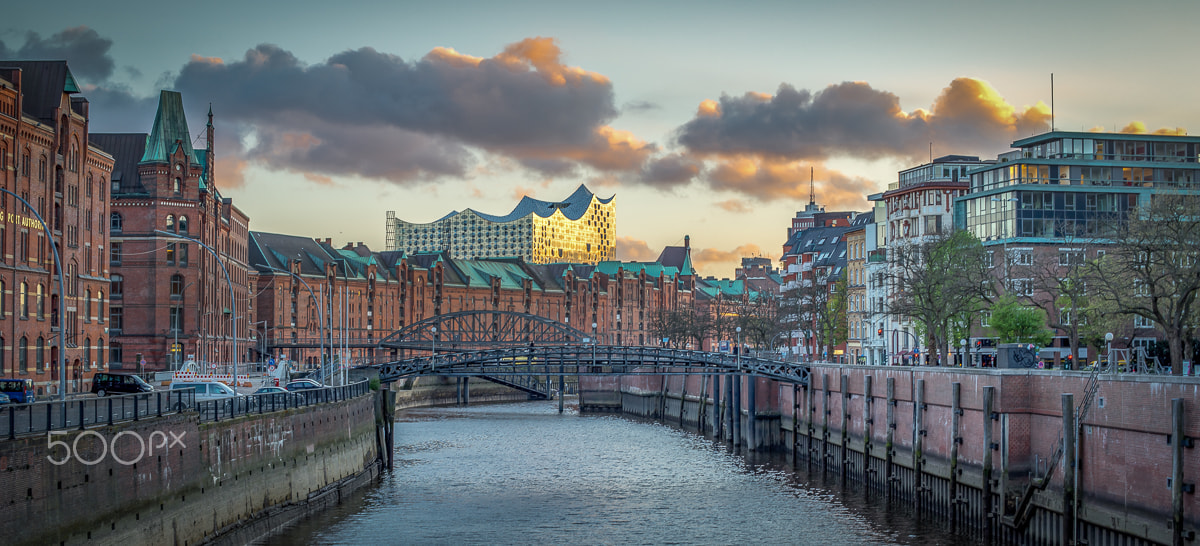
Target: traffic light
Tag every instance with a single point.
(978, 344)
(880, 331)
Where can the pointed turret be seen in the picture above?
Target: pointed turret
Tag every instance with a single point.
(170, 132)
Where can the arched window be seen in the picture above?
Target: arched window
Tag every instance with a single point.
(176, 286)
(24, 295)
(100, 352)
(117, 285)
(100, 306)
(2, 306)
(114, 352)
(183, 227)
(87, 306)
(23, 355)
(170, 222)
(40, 352)
(42, 169)
(41, 302)
(87, 352)
(74, 161)
(114, 222)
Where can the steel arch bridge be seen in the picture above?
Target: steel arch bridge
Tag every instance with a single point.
(586, 359)
(478, 330)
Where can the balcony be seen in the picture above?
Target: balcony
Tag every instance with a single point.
(877, 256)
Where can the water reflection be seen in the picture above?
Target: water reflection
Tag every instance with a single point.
(522, 474)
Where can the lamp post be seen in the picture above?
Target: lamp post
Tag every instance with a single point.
(262, 340)
(311, 294)
(593, 344)
(62, 296)
(232, 296)
(1108, 350)
(1004, 236)
(965, 351)
(433, 351)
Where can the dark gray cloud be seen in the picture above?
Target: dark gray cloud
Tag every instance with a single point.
(521, 103)
(82, 46)
(853, 119)
(671, 170)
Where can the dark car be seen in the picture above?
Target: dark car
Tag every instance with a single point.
(303, 384)
(104, 384)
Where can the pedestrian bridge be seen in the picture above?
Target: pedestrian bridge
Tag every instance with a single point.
(588, 359)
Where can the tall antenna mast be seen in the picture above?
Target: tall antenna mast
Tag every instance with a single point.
(812, 200)
(1051, 101)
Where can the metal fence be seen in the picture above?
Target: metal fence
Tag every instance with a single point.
(39, 417)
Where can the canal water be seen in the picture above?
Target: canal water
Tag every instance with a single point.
(524, 474)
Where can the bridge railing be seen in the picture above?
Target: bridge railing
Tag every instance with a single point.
(78, 414)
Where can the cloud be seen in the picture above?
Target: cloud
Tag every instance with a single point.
(733, 205)
(82, 46)
(376, 115)
(639, 106)
(765, 179)
(853, 119)
(1138, 127)
(706, 258)
(671, 170)
(634, 250)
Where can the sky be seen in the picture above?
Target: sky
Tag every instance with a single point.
(703, 118)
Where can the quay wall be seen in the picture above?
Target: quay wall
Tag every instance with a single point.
(922, 435)
(177, 480)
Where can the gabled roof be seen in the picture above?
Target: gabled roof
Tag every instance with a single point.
(125, 148)
(170, 131)
(43, 83)
(276, 250)
(678, 257)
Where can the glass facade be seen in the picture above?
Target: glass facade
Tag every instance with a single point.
(1065, 185)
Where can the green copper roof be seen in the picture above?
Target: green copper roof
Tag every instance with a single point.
(70, 86)
(170, 131)
(203, 177)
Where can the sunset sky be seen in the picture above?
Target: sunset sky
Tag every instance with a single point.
(704, 118)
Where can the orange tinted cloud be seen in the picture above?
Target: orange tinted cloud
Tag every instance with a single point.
(230, 171)
(543, 55)
(852, 119)
(766, 179)
(630, 249)
(733, 205)
(1138, 127)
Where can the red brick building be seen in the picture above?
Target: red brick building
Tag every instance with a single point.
(170, 297)
(365, 295)
(45, 158)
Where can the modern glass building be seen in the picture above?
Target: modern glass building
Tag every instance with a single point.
(1065, 185)
(578, 229)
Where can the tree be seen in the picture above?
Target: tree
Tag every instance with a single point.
(833, 322)
(940, 283)
(1015, 323)
(1153, 268)
(1060, 285)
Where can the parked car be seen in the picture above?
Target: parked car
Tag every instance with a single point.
(4, 399)
(104, 384)
(270, 390)
(206, 390)
(19, 391)
(303, 384)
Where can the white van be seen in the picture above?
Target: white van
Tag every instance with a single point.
(205, 390)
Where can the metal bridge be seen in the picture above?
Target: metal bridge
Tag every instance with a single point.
(587, 359)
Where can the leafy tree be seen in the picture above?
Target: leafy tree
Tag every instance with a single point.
(833, 322)
(1015, 323)
(1060, 280)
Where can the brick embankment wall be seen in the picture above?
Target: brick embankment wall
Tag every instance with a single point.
(442, 391)
(906, 435)
(174, 480)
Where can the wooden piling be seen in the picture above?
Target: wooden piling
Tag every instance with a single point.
(1068, 462)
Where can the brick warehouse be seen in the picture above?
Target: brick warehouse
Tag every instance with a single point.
(170, 298)
(45, 157)
(367, 295)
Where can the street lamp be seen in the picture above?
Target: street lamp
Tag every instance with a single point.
(1108, 350)
(232, 296)
(963, 343)
(62, 296)
(433, 351)
(1004, 236)
(593, 344)
(320, 315)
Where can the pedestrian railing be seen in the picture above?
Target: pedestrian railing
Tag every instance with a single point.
(80, 413)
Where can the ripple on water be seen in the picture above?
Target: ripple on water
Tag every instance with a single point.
(522, 473)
